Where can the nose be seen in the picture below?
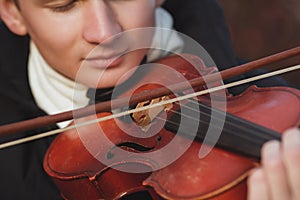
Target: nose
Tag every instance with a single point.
(100, 22)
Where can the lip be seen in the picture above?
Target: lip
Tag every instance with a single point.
(107, 61)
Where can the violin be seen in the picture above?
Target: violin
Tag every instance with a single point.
(167, 152)
(194, 169)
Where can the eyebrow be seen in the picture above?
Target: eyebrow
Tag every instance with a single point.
(47, 1)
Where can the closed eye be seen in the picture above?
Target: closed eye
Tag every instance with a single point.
(64, 7)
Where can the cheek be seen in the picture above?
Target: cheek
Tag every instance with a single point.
(51, 32)
(141, 15)
(57, 43)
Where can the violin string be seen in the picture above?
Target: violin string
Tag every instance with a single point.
(161, 103)
(231, 124)
(236, 135)
(234, 127)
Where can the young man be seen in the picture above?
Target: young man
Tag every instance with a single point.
(63, 33)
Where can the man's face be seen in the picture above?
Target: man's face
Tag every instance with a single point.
(66, 31)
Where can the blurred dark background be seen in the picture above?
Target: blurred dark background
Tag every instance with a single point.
(264, 27)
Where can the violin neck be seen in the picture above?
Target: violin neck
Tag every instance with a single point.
(226, 131)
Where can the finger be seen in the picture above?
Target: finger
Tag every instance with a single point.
(291, 158)
(257, 188)
(273, 167)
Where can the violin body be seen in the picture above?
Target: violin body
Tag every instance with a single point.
(114, 159)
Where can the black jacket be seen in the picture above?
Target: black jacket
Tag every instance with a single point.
(21, 171)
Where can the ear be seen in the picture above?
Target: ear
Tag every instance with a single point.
(11, 16)
(159, 2)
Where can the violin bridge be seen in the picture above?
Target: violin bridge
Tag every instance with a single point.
(144, 118)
